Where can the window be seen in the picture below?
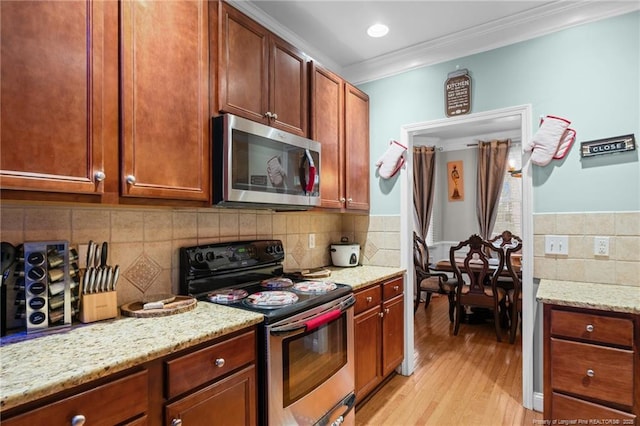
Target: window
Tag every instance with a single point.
(509, 215)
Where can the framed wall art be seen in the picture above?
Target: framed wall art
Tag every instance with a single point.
(455, 173)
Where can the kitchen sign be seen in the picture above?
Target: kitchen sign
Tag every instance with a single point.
(457, 93)
(608, 146)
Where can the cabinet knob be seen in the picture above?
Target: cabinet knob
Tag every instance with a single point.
(349, 200)
(219, 362)
(342, 199)
(381, 314)
(99, 176)
(131, 179)
(591, 373)
(176, 422)
(386, 311)
(78, 420)
(268, 114)
(369, 299)
(274, 116)
(590, 328)
(396, 288)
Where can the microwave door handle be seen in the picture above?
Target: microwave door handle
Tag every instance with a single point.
(307, 185)
(348, 401)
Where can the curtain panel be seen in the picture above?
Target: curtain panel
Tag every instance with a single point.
(492, 165)
(424, 158)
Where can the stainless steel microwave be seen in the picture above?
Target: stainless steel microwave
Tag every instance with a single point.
(258, 166)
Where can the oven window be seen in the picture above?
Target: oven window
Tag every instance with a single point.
(309, 359)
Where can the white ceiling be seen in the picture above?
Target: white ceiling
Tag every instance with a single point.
(421, 32)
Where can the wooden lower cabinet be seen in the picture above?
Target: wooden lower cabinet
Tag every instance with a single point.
(379, 334)
(211, 384)
(591, 366)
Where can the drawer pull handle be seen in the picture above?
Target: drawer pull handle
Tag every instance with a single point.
(369, 299)
(176, 422)
(78, 420)
(219, 362)
(591, 373)
(590, 328)
(396, 288)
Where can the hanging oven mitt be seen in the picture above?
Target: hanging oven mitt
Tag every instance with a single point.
(565, 144)
(545, 142)
(391, 160)
(275, 171)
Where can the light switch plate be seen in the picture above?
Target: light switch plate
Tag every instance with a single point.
(556, 244)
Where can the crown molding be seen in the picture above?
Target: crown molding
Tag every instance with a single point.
(542, 20)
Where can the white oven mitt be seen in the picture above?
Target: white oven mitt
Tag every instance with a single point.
(275, 171)
(391, 160)
(545, 142)
(565, 144)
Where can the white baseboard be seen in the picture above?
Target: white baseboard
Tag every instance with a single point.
(538, 401)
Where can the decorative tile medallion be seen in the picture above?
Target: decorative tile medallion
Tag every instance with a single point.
(370, 249)
(299, 252)
(143, 272)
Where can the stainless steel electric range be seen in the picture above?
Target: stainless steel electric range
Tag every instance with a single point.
(306, 354)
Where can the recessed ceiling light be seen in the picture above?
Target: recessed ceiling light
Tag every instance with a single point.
(378, 30)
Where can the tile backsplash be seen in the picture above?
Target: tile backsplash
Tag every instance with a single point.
(145, 241)
(621, 266)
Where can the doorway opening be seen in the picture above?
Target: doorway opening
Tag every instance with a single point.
(515, 123)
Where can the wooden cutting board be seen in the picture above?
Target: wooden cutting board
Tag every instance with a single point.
(179, 305)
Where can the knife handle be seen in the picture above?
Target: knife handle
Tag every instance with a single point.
(104, 254)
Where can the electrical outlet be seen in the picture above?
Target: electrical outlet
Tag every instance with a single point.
(556, 244)
(601, 246)
(312, 240)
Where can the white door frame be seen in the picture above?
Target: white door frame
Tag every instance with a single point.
(406, 241)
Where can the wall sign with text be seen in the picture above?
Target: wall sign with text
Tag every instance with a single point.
(608, 146)
(457, 93)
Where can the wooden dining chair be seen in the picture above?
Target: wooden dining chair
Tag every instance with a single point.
(428, 280)
(514, 295)
(482, 272)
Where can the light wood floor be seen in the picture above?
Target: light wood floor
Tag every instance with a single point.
(468, 379)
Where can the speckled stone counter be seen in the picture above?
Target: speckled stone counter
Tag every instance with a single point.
(44, 365)
(362, 276)
(605, 297)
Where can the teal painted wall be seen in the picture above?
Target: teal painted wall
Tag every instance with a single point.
(589, 74)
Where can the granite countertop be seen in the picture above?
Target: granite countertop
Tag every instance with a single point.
(83, 353)
(362, 276)
(606, 297)
(37, 367)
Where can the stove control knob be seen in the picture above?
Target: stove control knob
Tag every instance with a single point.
(269, 249)
(209, 256)
(199, 257)
(278, 249)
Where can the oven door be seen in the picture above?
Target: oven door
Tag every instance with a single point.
(310, 366)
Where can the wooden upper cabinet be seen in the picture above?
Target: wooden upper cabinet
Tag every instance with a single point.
(260, 76)
(165, 100)
(59, 100)
(356, 148)
(327, 127)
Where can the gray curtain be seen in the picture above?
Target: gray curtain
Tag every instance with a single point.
(424, 158)
(492, 165)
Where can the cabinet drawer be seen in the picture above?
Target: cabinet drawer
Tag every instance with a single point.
(392, 288)
(592, 371)
(108, 404)
(199, 367)
(592, 327)
(567, 408)
(367, 299)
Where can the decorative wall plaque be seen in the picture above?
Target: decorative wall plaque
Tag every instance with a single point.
(456, 180)
(457, 93)
(608, 145)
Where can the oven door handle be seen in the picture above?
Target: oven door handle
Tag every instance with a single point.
(349, 401)
(308, 324)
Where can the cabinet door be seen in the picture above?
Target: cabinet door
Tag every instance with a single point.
(392, 334)
(288, 89)
(367, 343)
(59, 102)
(356, 148)
(243, 83)
(327, 127)
(165, 99)
(230, 401)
